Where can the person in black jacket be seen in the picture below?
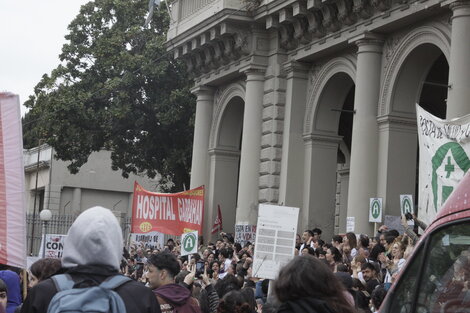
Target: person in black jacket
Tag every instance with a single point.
(92, 253)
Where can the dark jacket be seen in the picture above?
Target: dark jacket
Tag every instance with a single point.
(174, 298)
(137, 298)
(305, 305)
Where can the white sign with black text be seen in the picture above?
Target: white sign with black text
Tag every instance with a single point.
(275, 239)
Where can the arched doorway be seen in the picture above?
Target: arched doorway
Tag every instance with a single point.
(328, 148)
(420, 78)
(225, 161)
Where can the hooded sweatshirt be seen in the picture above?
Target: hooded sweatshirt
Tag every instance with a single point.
(174, 298)
(12, 280)
(92, 253)
(95, 238)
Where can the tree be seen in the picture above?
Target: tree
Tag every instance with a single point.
(117, 88)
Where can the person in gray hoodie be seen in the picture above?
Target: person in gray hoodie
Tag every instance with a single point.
(92, 253)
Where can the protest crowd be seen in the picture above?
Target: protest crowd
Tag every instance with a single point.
(346, 273)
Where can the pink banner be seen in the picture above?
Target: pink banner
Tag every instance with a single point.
(12, 211)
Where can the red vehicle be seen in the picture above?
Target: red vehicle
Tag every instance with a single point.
(436, 278)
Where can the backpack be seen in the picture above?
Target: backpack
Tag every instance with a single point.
(98, 299)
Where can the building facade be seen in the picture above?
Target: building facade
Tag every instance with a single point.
(64, 193)
(311, 103)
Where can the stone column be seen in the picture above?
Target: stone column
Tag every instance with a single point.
(459, 65)
(292, 164)
(202, 127)
(364, 146)
(248, 185)
(318, 209)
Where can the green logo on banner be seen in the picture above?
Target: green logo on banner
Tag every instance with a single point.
(459, 158)
(376, 209)
(189, 242)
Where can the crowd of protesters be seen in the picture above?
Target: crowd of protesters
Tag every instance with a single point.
(349, 273)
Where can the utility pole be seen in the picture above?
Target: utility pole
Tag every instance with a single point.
(35, 198)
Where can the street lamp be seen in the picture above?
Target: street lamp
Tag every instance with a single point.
(45, 217)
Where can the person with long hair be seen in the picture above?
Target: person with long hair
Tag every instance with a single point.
(235, 302)
(43, 269)
(307, 285)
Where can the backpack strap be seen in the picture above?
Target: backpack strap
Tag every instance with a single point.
(63, 282)
(114, 281)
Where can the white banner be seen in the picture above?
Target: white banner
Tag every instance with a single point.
(443, 159)
(12, 190)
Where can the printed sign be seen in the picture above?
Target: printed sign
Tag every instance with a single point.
(245, 233)
(189, 243)
(152, 239)
(171, 214)
(350, 224)
(375, 210)
(275, 239)
(406, 204)
(54, 246)
(444, 149)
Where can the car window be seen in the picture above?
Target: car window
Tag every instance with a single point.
(405, 291)
(444, 286)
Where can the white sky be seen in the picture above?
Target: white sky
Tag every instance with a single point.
(31, 38)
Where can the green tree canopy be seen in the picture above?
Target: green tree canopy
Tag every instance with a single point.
(118, 89)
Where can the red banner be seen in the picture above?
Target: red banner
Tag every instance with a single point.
(168, 213)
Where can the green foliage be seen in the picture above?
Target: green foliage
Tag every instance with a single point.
(118, 89)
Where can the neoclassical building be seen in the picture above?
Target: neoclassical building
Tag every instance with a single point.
(311, 103)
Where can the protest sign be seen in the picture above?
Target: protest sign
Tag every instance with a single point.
(394, 222)
(245, 233)
(275, 239)
(444, 147)
(350, 224)
(406, 204)
(151, 239)
(171, 214)
(375, 210)
(54, 246)
(189, 243)
(12, 190)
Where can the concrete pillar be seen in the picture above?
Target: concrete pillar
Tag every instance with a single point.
(76, 201)
(398, 146)
(318, 209)
(459, 65)
(222, 190)
(364, 146)
(248, 185)
(202, 127)
(292, 164)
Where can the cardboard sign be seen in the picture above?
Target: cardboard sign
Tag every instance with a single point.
(171, 214)
(275, 239)
(152, 239)
(350, 224)
(54, 246)
(245, 233)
